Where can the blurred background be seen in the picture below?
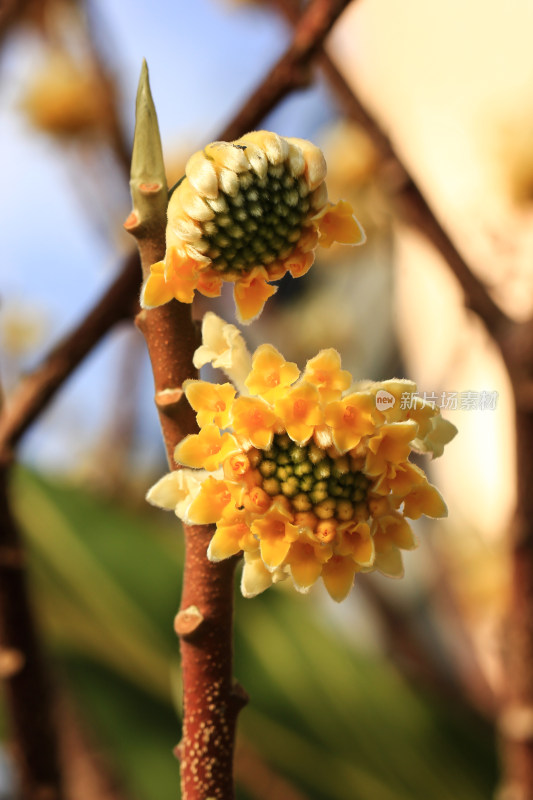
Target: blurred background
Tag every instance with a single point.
(392, 694)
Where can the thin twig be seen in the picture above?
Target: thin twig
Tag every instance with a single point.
(293, 70)
(11, 12)
(27, 686)
(37, 389)
(408, 199)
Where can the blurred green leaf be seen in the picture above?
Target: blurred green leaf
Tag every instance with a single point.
(337, 723)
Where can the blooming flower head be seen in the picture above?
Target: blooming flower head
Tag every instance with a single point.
(247, 212)
(302, 473)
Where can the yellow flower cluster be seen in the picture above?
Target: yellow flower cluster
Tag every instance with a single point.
(247, 212)
(306, 474)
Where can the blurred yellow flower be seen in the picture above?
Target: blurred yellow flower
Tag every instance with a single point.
(247, 212)
(67, 98)
(315, 482)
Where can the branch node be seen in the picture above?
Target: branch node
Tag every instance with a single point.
(132, 222)
(150, 188)
(239, 696)
(167, 399)
(188, 621)
(178, 751)
(12, 662)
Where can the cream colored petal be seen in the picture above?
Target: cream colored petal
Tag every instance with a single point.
(275, 148)
(280, 574)
(195, 252)
(441, 433)
(224, 347)
(319, 197)
(202, 175)
(256, 157)
(229, 182)
(218, 204)
(228, 155)
(176, 490)
(255, 576)
(296, 160)
(214, 341)
(194, 205)
(185, 228)
(315, 162)
(323, 436)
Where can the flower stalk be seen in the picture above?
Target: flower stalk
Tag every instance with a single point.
(204, 622)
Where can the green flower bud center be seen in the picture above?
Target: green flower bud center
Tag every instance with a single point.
(312, 480)
(260, 224)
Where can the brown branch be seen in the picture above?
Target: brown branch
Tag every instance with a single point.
(205, 620)
(204, 623)
(27, 687)
(11, 11)
(293, 70)
(212, 700)
(408, 199)
(119, 140)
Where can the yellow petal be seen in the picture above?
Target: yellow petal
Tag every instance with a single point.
(391, 445)
(338, 224)
(226, 542)
(395, 530)
(338, 576)
(273, 550)
(357, 543)
(300, 411)
(305, 567)
(181, 275)
(155, 291)
(209, 503)
(212, 401)
(275, 533)
(209, 285)
(206, 449)
(389, 562)
(299, 263)
(424, 499)
(351, 419)
(324, 371)
(270, 374)
(254, 421)
(251, 294)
